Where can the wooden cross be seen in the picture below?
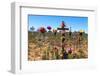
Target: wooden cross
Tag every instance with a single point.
(63, 34)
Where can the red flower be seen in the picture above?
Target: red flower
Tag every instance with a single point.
(70, 50)
(42, 30)
(63, 24)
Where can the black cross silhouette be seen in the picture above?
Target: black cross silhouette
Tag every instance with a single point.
(63, 35)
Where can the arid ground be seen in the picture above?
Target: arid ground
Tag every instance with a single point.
(48, 46)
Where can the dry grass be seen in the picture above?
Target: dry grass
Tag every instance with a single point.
(44, 49)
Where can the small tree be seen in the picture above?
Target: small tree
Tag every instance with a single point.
(32, 29)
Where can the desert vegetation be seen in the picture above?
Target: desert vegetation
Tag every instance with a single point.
(48, 43)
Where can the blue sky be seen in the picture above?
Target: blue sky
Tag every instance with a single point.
(76, 23)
